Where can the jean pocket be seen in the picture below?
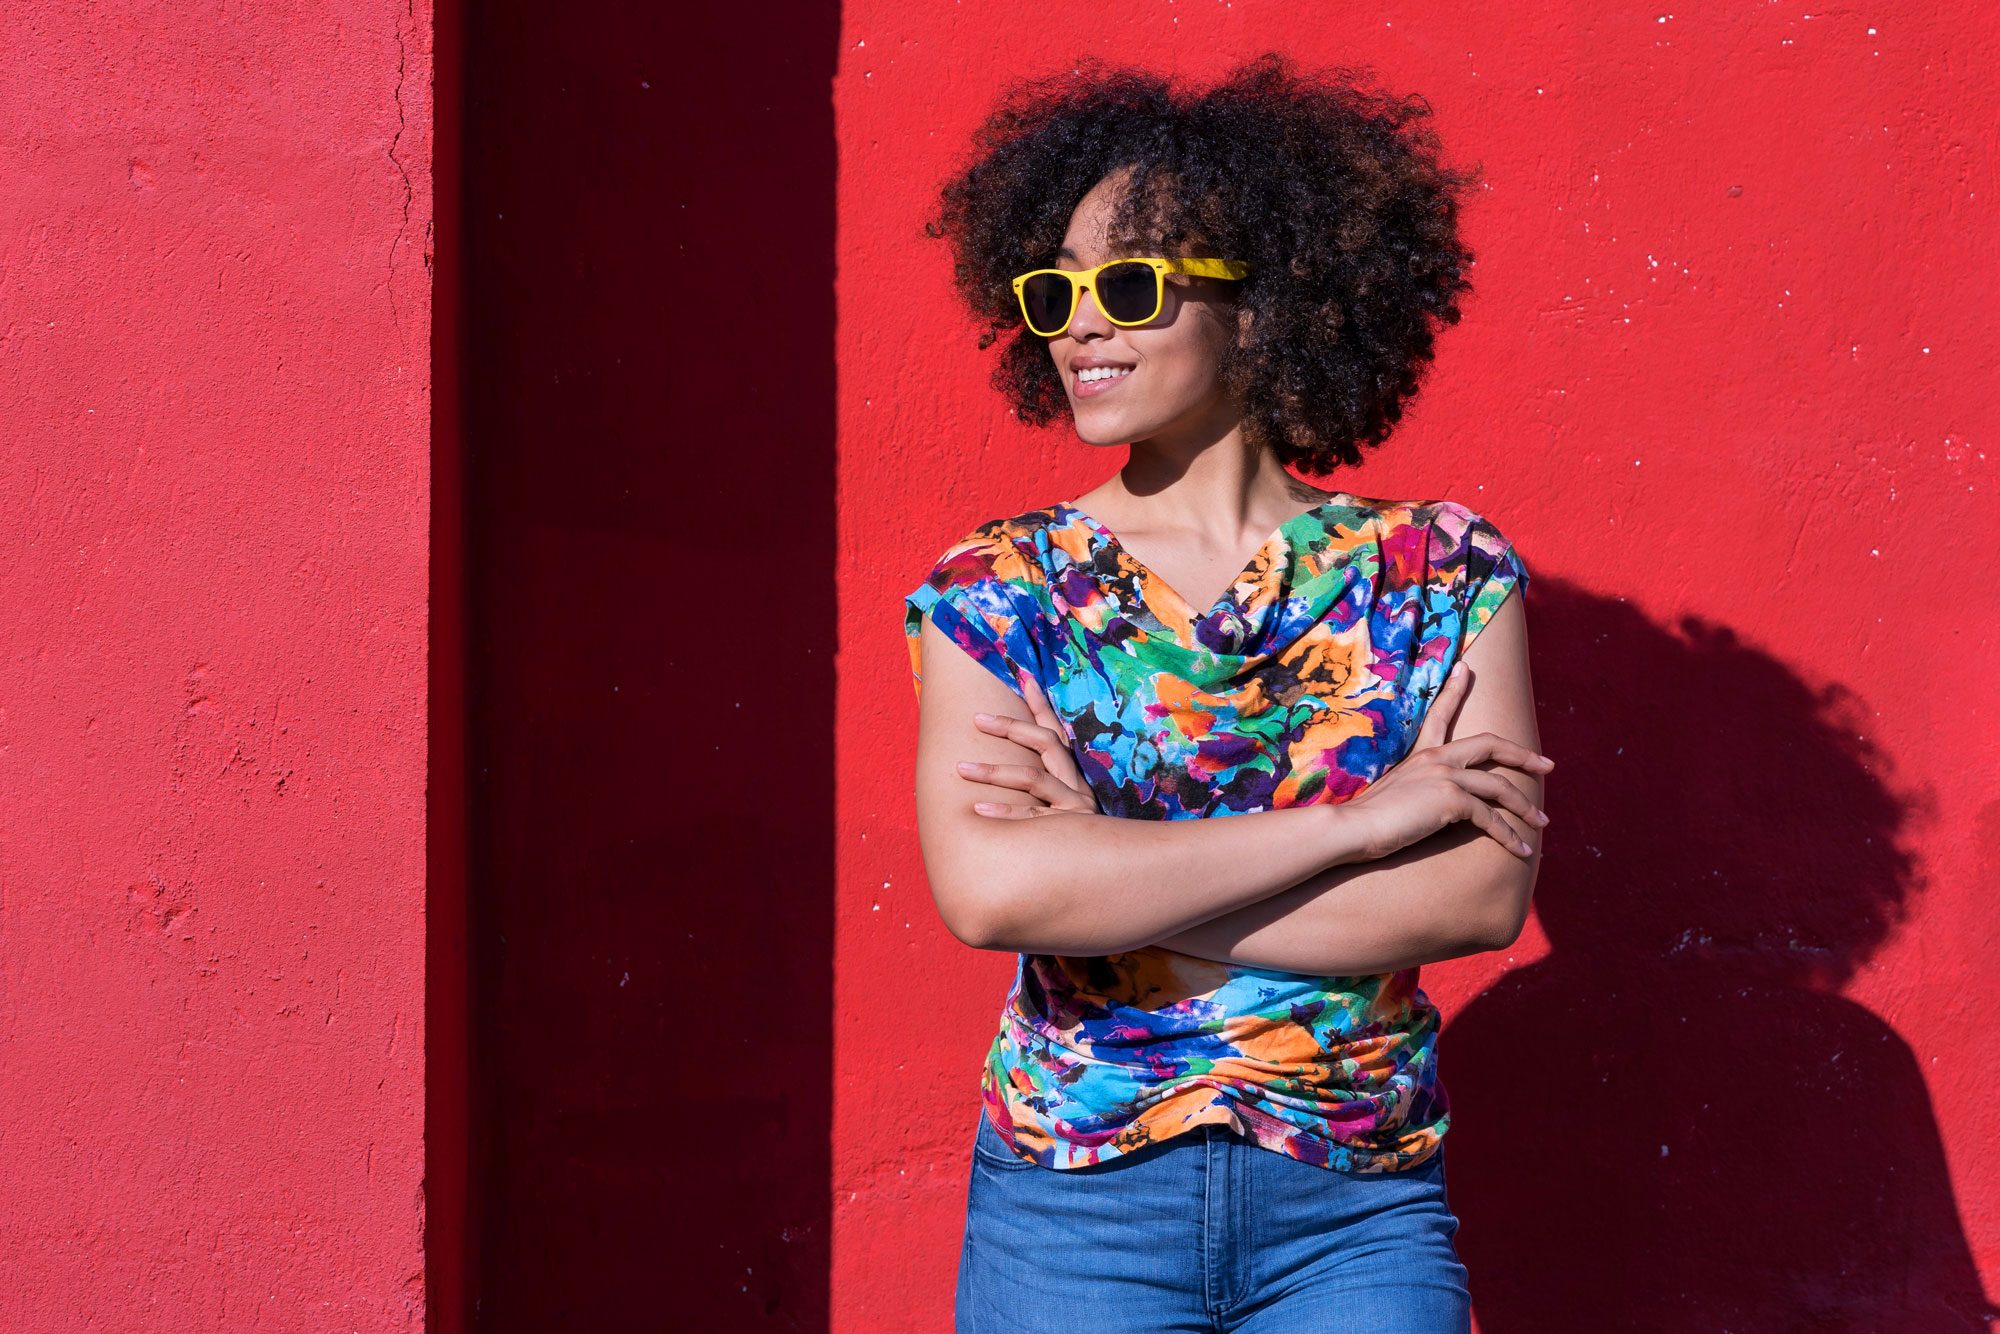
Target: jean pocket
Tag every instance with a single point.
(989, 1148)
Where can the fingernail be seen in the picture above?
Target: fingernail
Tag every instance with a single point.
(968, 765)
(987, 806)
(983, 717)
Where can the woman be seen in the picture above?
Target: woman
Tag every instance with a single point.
(1214, 1100)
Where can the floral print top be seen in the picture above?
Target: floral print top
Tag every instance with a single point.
(1306, 680)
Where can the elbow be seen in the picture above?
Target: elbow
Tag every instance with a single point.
(977, 917)
(973, 895)
(1508, 910)
(973, 925)
(1502, 934)
(1011, 922)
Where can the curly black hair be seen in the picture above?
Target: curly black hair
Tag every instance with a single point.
(1330, 188)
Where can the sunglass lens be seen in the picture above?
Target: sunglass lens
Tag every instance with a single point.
(1129, 292)
(1045, 300)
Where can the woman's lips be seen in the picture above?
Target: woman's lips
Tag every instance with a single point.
(1092, 388)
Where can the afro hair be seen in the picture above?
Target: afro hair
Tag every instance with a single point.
(1331, 189)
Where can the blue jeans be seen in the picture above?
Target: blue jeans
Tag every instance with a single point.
(1204, 1233)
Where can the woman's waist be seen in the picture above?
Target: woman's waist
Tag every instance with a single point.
(1281, 1018)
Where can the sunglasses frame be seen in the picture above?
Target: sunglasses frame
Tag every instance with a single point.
(1082, 280)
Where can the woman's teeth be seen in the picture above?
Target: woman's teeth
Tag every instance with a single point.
(1091, 373)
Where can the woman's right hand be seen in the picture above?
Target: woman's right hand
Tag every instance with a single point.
(1435, 786)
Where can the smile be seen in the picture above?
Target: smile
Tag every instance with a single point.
(1092, 380)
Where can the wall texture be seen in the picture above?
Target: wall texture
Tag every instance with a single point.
(1729, 382)
(215, 227)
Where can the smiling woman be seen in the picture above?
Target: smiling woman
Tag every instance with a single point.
(1216, 806)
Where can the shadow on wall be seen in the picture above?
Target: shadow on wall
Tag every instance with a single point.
(1675, 1119)
(649, 435)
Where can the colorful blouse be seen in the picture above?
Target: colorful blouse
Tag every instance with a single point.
(1306, 680)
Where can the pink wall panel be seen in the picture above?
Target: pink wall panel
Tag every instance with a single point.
(1728, 379)
(214, 413)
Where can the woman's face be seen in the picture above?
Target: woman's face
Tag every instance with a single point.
(1172, 385)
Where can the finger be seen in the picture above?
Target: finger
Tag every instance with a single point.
(1443, 707)
(1501, 791)
(1014, 729)
(1039, 708)
(1501, 830)
(1050, 745)
(1470, 750)
(1000, 810)
(1055, 749)
(1028, 778)
(1021, 777)
(1045, 715)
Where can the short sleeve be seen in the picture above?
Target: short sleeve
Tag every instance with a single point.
(985, 594)
(1480, 565)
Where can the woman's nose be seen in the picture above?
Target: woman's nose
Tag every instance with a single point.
(1087, 313)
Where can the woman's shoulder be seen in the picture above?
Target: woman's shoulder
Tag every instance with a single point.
(1016, 527)
(1434, 541)
(1459, 531)
(1007, 536)
(1007, 548)
(1447, 525)
(1421, 512)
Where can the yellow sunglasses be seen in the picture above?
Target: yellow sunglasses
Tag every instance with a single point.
(1128, 291)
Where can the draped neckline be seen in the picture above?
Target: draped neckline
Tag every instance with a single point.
(1230, 597)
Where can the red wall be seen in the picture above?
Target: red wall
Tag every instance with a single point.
(1729, 382)
(215, 227)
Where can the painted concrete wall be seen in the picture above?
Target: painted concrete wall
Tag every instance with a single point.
(215, 227)
(1729, 382)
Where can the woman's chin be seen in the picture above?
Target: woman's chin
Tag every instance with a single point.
(1102, 428)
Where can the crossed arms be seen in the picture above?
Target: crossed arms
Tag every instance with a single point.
(1305, 889)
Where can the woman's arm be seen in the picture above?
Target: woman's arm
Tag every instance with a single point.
(1442, 898)
(1076, 883)
(1456, 892)
(1069, 882)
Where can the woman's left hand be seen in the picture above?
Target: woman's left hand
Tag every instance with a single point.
(1056, 781)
